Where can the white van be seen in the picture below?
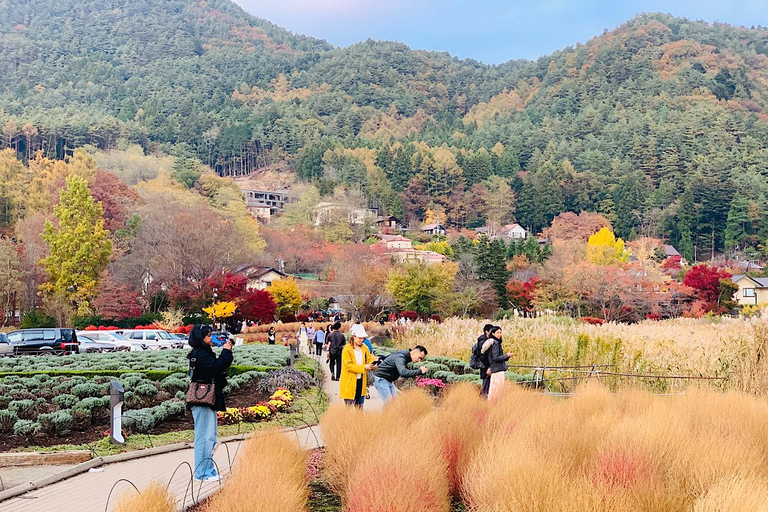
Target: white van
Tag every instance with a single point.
(154, 339)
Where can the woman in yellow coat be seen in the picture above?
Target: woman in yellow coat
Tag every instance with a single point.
(356, 360)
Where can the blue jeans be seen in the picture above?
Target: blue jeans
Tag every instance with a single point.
(206, 430)
(387, 390)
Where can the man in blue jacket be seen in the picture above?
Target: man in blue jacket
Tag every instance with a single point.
(396, 366)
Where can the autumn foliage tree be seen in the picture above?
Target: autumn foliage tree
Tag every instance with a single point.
(603, 248)
(418, 286)
(521, 293)
(80, 248)
(287, 297)
(712, 287)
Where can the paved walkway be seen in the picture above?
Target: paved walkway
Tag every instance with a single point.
(90, 491)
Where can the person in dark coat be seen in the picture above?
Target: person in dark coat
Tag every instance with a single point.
(206, 367)
(336, 342)
(497, 361)
(484, 364)
(271, 335)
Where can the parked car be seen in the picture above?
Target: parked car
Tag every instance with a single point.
(91, 346)
(154, 339)
(6, 349)
(181, 338)
(118, 342)
(44, 341)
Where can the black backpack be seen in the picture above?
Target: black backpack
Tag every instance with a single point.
(474, 359)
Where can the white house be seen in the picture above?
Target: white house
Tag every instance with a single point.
(514, 232)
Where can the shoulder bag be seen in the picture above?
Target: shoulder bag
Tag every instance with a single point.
(200, 393)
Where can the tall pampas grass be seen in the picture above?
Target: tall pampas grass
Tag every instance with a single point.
(154, 498)
(270, 475)
(727, 347)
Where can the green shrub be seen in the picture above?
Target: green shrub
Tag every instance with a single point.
(173, 383)
(180, 395)
(7, 420)
(140, 421)
(91, 403)
(65, 401)
(59, 422)
(87, 389)
(24, 409)
(26, 428)
(146, 390)
(37, 318)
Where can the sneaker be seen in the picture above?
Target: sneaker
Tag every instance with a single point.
(212, 478)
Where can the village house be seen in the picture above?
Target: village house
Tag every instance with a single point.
(401, 249)
(752, 290)
(433, 229)
(508, 232)
(326, 212)
(264, 204)
(514, 232)
(259, 277)
(389, 223)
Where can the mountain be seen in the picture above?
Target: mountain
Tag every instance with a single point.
(660, 124)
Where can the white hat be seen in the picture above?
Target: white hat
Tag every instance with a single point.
(359, 331)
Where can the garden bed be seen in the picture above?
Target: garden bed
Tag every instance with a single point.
(94, 432)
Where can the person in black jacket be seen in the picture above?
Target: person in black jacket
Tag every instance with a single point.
(336, 342)
(206, 367)
(484, 364)
(497, 361)
(394, 366)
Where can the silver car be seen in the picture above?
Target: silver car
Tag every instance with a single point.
(117, 340)
(6, 349)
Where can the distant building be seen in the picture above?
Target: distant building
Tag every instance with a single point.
(263, 204)
(508, 232)
(259, 277)
(752, 290)
(433, 229)
(392, 242)
(401, 249)
(514, 232)
(389, 222)
(327, 212)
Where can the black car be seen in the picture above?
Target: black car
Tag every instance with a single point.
(44, 341)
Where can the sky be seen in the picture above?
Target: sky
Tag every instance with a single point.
(491, 31)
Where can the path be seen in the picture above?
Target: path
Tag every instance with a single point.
(89, 491)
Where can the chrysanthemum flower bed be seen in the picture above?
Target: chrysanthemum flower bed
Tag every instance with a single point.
(280, 400)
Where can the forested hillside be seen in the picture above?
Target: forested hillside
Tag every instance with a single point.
(661, 124)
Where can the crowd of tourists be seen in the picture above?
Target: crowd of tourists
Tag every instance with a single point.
(352, 363)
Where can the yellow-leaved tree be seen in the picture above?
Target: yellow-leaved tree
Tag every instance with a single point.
(286, 295)
(605, 249)
(221, 310)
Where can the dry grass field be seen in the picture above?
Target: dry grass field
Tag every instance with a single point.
(735, 349)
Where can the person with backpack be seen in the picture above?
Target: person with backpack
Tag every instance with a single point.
(478, 360)
(497, 361)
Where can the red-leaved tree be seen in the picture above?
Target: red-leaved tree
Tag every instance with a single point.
(521, 293)
(711, 287)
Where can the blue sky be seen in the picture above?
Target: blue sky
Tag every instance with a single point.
(491, 31)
